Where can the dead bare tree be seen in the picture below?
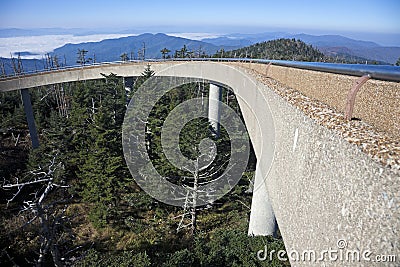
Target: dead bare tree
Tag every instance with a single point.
(190, 209)
(61, 101)
(20, 66)
(13, 64)
(2, 69)
(49, 61)
(55, 60)
(45, 207)
(190, 206)
(64, 102)
(144, 51)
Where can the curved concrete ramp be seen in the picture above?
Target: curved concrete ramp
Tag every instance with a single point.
(326, 195)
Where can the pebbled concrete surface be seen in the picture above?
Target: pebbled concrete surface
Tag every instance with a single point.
(377, 102)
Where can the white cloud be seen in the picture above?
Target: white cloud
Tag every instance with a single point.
(40, 45)
(43, 44)
(195, 35)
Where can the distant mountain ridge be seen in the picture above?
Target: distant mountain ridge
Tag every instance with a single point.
(334, 40)
(112, 49)
(330, 45)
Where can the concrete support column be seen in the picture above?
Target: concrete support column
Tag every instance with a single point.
(26, 100)
(128, 83)
(214, 112)
(262, 217)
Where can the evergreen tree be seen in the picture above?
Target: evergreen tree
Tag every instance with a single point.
(82, 57)
(124, 57)
(100, 177)
(102, 171)
(165, 52)
(146, 74)
(282, 49)
(11, 110)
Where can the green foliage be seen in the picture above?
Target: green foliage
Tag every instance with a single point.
(121, 259)
(190, 135)
(283, 49)
(227, 247)
(291, 49)
(13, 129)
(398, 62)
(181, 258)
(82, 57)
(121, 224)
(231, 247)
(145, 75)
(124, 57)
(11, 110)
(165, 51)
(102, 169)
(98, 215)
(182, 53)
(140, 200)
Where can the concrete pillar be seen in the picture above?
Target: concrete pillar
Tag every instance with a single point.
(26, 100)
(214, 111)
(128, 83)
(262, 217)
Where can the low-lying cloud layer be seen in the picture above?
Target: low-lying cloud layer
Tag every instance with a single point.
(37, 46)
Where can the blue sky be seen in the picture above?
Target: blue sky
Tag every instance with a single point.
(343, 15)
(371, 20)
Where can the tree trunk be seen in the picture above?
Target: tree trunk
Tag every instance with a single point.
(194, 205)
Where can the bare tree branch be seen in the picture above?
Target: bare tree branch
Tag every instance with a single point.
(44, 209)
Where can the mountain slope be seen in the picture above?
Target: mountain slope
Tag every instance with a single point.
(245, 39)
(386, 54)
(334, 40)
(27, 65)
(281, 49)
(330, 45)
(112, 49)
(227, 41)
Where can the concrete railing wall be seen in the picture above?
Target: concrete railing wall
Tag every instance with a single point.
(324, 189)
(377, 102)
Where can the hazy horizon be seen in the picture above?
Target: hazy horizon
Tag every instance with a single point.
(383, 39)
(39, 41)
(95, 20)
(373, 20)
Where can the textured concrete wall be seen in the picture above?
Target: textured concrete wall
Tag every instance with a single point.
(377, 102)
(322, 188)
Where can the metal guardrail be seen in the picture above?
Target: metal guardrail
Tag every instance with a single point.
(379, 72)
